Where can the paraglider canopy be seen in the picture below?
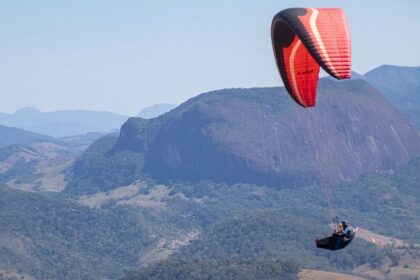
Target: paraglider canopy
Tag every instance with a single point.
(303, 40)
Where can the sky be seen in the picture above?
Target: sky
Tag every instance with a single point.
(122, 56)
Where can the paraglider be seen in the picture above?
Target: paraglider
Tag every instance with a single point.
(342, 236)
(305, 39)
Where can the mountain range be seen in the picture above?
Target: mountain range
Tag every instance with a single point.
(73, 122)
(62, 123)
(231, 182)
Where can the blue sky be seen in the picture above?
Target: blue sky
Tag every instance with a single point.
(122, 56)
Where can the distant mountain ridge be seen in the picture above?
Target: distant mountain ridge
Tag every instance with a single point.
(15, 136)
(63, 123)
(401, 86)
(155, 110)
(260, 136)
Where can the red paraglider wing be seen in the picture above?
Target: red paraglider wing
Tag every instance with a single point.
(304, 39)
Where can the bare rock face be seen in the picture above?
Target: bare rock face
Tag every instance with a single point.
(261, 136)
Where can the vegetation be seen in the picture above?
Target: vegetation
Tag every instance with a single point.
(96, 170)
(277, 235)
(51, 238)
(387, 204)
(23, 170)
(250, 223)
(216, 269)
(239, 223)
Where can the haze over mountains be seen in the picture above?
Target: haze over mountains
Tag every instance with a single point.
(62, 123)
(73, 122)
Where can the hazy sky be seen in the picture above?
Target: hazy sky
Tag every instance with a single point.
(122, 56)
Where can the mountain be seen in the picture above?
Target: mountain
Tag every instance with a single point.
(355, 75)
(260, 136)
(155, 110)
(35, 162)
(37, 166)
(401, 86)
(15, 136)
(63, 123)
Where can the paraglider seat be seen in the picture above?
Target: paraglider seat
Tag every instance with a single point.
(335, 241)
